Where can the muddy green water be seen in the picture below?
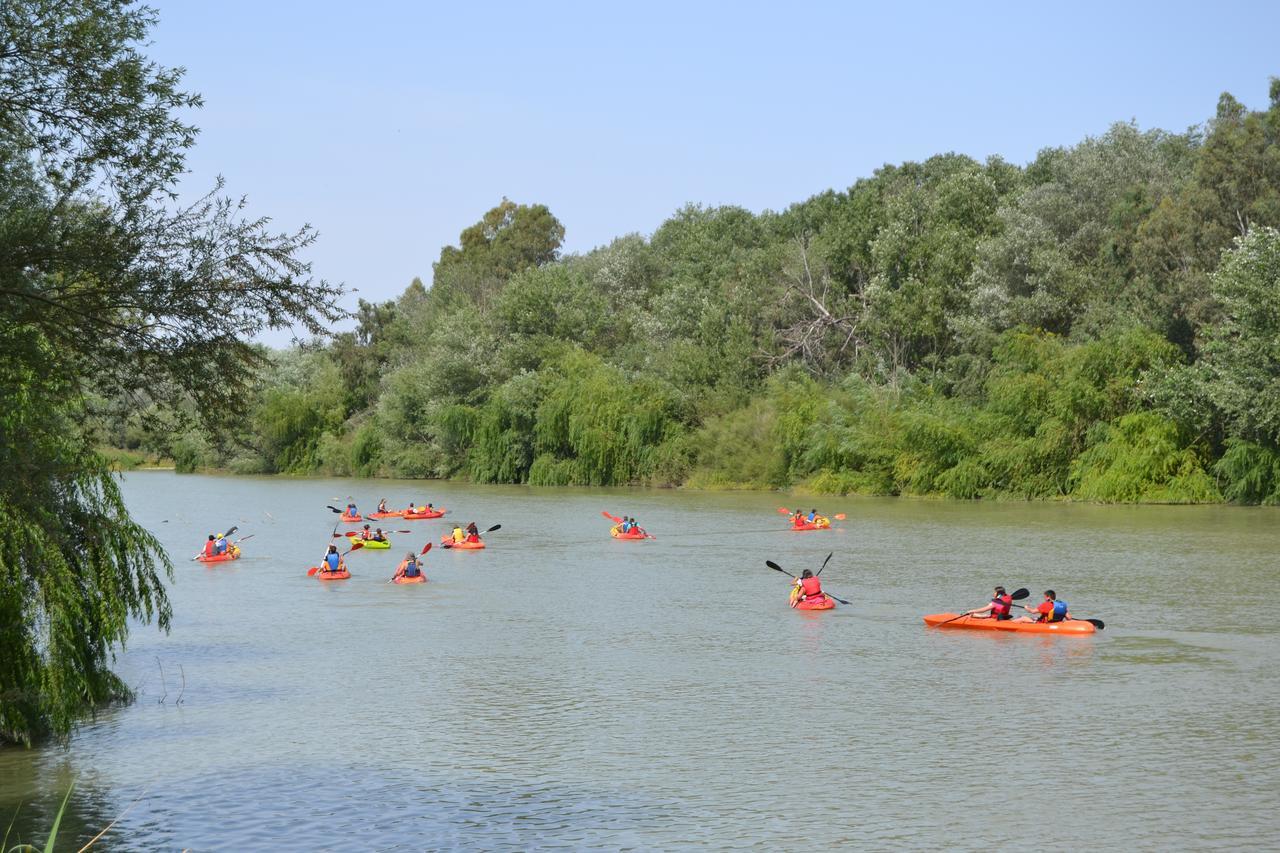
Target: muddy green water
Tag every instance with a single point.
(564, 689)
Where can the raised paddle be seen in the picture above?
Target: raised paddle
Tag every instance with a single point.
(824, 563)
(1097, 623)
(612, 518)
(423, 553)
(482, 533)
(1016, 595)
(839, 516)
(771, 564)
(355, 546)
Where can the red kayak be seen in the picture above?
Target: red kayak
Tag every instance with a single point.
(417, 516)
(812, 525)
(636, 533)
(339, 575)
(351, 519)
(824, 603)
(232, 553)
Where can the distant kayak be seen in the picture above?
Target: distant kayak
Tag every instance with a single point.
(1071, 626)
(367, 543)
(397, 514)
(351, 519)
(635, 533)
(824, 603)
(447, 541)
(419, 579)
(417, 516)
(820, 524)
(230, 554)
(341, 574)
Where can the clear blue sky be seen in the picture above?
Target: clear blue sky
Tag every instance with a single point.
(391, 126)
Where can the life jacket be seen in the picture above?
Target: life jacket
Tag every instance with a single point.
(473, 537)
(810, 588)
(209, 548)
(811, 517)
(366, 535)
(220, 545)
(1002, 606)
(333, 560)
(1059, 612)
(409, 570)
(458, 535)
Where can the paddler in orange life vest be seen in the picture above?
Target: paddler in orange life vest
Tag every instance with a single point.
(1049, 610)
(210, 547)
(1000, 607)
(810, 587)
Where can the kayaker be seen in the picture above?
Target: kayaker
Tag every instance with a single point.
(797, 520)
(473, 532)
(1049, 610)
(351, 512)
(411, 510)
(458, 535)
(810, 587)
(626, 524)
(365, 534)
(408, 567)
(220, 545)
(813, 515)
(210, 547)
(382, 505)
(635, 526)
(378, 535)
(332, 561)
(1000, 607)
(430, 507)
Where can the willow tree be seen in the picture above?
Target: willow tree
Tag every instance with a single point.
(109, 288)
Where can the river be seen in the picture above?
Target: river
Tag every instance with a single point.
(564, 689)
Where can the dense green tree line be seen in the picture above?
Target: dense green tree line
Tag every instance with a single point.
(1098, 324)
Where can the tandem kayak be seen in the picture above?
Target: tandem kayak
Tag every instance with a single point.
(824, 603)
(417, 516)
(339, 575)
(447, 541)
(396, 514)
(418, 579)
(616, 533)
(350, 519)
(1071, 626)
(820, 524)
(231, 554)
(367, 543)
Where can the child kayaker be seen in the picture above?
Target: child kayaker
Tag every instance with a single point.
(408, 567)
(351, 512)
(1049, 610)
(332, 560)
(366, 534)
(473, 532)
(1000, 607)
(458, 536)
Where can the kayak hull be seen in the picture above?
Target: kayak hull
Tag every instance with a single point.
(1072, 627)
(418, 579)
(418, 516)
(377, 515)
(824, 603)
(340, 575)
(351, 519)
(447, 541)
(220, 558)
(618, 534)
(803, 528)
(367, 543)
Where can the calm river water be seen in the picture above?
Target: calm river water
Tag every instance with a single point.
(565, 689)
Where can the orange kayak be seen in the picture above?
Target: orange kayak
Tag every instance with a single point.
(230, 554)
(1073, 627)
(351, 519)
(447, 541)
(418, 579)
(824, 603)
(416, 516)
(395, 514)
(339, 575)
(636, 533)
(812, 525)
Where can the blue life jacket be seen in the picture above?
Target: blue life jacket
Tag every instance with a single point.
(1059, 611)
(220, 546)
(332, 560)
(411, 570)
(811, 517)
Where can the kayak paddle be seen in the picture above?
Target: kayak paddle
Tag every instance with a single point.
(839, 516)
(233, 529)
(824, 563)
(771, 564)
(1097, 623)
(425, 549)
(482, 532)
(612, 518)
(355, 546)
(1016, 595)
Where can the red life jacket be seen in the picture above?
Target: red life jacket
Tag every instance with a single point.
(1002, 606)
(209, 548)
(811, 587)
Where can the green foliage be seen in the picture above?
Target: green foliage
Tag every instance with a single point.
(1141, 457)
(1250, 472)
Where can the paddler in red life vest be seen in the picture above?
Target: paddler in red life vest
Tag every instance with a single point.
(210, 547)
(810, 587)
(797, 520)
(1000, 607)
(473, 532)
(365, 534)
(1049, 610)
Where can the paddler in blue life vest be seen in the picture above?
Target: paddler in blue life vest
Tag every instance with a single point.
(1000, 607)
(408, 567)
(1049, 610)
(220, 545)
(332, 560)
